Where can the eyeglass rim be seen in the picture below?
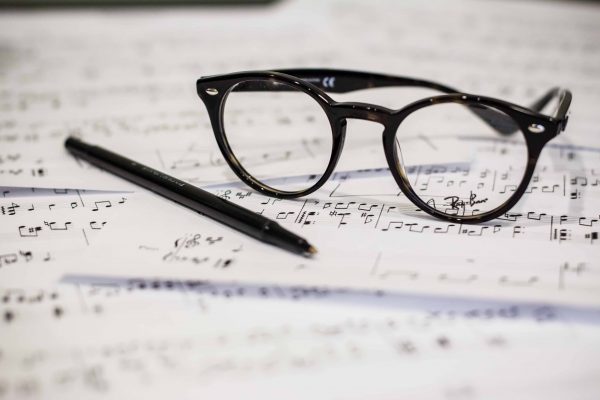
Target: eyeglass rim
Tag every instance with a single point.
(339, 112)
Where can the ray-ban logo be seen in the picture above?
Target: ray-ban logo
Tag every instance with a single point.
(456, 203)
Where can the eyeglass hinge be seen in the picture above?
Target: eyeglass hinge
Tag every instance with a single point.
(563, 125)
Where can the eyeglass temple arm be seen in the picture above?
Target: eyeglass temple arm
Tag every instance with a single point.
(342, 81)
(562, 108)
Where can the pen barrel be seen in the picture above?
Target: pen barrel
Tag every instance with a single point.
(189, 196)
(280, 237)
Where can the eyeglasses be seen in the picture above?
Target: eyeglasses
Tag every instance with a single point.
(457, 156)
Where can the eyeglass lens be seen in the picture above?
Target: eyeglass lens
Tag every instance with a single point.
(280, 135)
(444, 151)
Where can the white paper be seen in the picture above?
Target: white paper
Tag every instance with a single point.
(189, 338)
(125, 80)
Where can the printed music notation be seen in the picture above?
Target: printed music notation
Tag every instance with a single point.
(560, 207)
(554, 232)
(307, 335)
(55, 210)
(557, 251)
(22, 256)
(288, 322)
(40, 228)
(162, 102)
(376, 203)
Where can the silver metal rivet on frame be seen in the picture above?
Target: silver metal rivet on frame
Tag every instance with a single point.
(536, 128)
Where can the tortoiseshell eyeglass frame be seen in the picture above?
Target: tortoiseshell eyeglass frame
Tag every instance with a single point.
(537, 128)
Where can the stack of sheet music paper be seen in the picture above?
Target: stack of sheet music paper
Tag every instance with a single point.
(109, 291)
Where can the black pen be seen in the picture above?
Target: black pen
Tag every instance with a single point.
(206, 203)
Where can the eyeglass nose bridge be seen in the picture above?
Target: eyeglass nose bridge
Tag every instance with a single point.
(364, 111)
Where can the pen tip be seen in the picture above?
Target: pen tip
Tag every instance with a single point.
(311, 250)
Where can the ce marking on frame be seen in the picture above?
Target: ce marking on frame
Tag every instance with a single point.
(329, 81)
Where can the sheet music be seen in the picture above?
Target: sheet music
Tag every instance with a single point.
(372, 241)
(161, 97)
(125, 80)
(42, 228)
(553, 230)
(228, 340)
